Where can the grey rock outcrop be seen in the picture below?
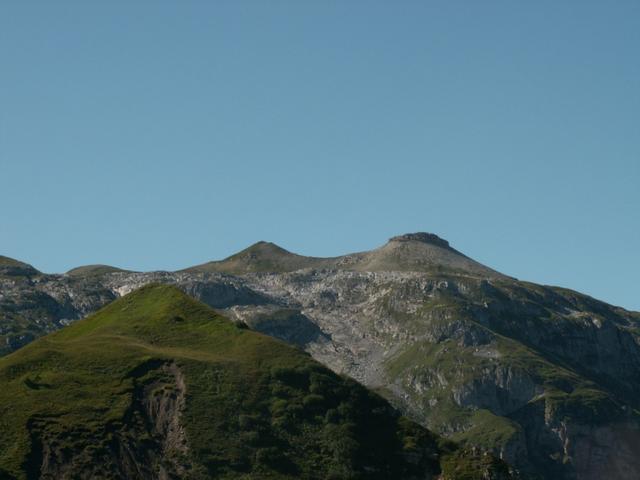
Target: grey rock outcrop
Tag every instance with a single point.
(545, 377)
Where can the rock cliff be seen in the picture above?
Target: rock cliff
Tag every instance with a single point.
(545, 377)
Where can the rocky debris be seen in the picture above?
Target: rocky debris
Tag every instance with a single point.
(545, 377)
(498, 388)
(154, 415)
(290, 325)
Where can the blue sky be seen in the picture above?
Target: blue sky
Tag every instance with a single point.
(157, 135)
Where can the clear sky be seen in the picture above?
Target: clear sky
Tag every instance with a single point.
(158, 135)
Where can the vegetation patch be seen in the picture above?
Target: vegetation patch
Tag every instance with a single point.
(133, 392)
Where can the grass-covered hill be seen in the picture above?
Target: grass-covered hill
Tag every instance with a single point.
(412, 252)
(544, 377)
(12, 267)
(94, 270)
(157, 385)
(261, 257)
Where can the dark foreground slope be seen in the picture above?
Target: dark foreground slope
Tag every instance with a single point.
(157, 385)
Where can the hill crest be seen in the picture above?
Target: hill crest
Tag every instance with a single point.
(420, 252)
(94, 269)
(13, 267)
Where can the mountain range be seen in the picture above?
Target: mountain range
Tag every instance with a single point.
(158, 386)
(545, 378)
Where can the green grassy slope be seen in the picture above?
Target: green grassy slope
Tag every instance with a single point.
(157, 383)
(94, 270)
(7, 261)
(11, 266)
(404, 253)
(259, 258)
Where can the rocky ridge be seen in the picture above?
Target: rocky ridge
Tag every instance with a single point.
(157, 385)
(545, 377)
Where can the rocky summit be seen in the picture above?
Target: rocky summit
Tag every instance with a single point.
(544, 377)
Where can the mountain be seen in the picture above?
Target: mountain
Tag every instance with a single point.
(545, 377)
(420, 252)
(415, 252)
(259, 258)
(12, 267)
(92, 270)
(157, 385)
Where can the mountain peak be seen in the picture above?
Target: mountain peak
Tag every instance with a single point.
(258, 258)
(94, 270)
(10, 266)
(419, 252)
(424, 237)
(264, 247)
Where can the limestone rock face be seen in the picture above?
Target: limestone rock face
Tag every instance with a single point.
(545, 377)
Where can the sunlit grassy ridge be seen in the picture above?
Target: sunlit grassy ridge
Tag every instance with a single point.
(94, 270)
(254, 408)
(11, 266)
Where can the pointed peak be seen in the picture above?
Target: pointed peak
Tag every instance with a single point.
(266, 245)
(261, 257)
(423, 237)
(261, 249)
